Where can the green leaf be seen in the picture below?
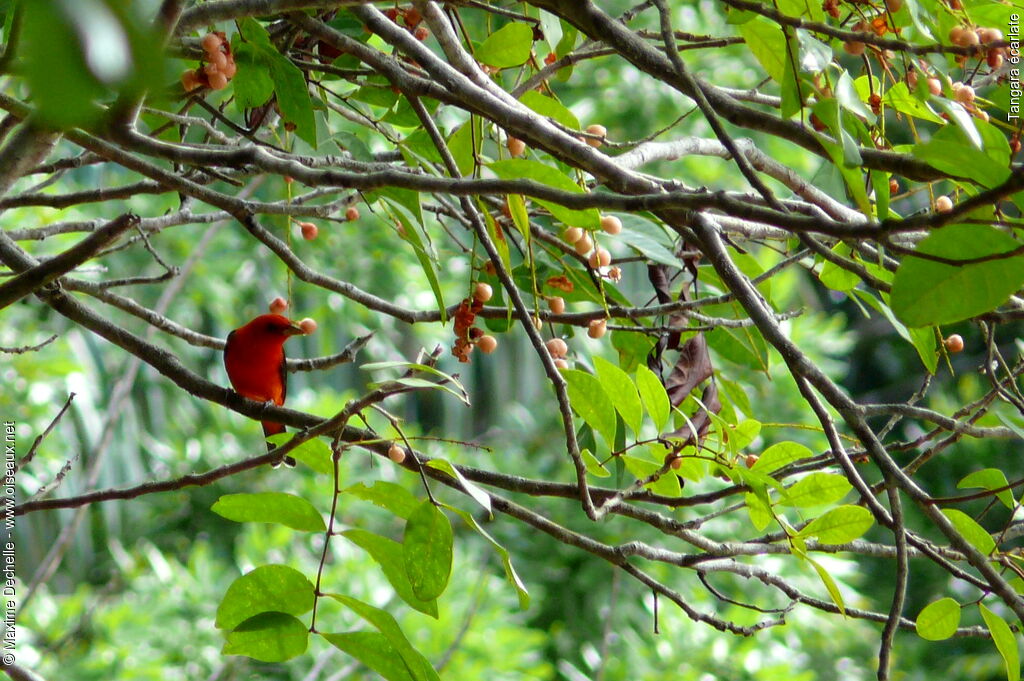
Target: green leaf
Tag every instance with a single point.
(952, 152)
(520, 216)
(760, 514)
(899, 98)
(252, 84)
(472, 489)
(254, 32)
(71, 52)
(743, 433)
(373, 649)
(849, 99)
(666, 485)
(292, 95)
(417, 665)
(510, 571)
(268, 588)
(990, 479)
(768, 45)
(1006, 642)
(830, 584)
(509, 46)
(270, 507)
(834, 276)
(461, 144)
(594, 466)
(816, 489)
(550, 107)
(409, 212)
(314, 453)
(779, 455)
(268, 637)
(938, 620)
(523, 169)
(653, 396)
(616, 382)
(592, 403)
(390, 556)
(974, 533)
(840, 525)
(648, 239)
(925, 292)
(963, 120)
(428, 551)
(389, 495)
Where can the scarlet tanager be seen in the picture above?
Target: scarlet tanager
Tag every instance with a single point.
(255, 361)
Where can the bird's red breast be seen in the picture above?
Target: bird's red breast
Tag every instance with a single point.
(255, 361)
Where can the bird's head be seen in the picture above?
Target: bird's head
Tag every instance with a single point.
(274, 325)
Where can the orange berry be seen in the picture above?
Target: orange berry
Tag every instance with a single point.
(219, 59)
(212, 42)
(893, 5)
(995, 58)
(189, 80)
(396, 453)
(557, 304)
(956, 35)
(597, 328)
(989, 35)
(943, 204)
(483, 292)
(584, 244)
(557, 348)
(218, 81)
(615, 273)
(894, 186)
(600, 258)
(551, 58)
(351, 213)
(676, 463)
(573, 234)
(1015, 144)
(750, 460)
(309, 230)
(516, 146)
(308, 325)
(597, 130)
(421, 33)
(912, 78)
(935, 86)
(611, 224)
(278, 305)
(561, 364)
(230, 68)
(954, 343)
(964, 93)
(487, 344)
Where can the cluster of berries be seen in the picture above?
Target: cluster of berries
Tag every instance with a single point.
(965, 36)
(466, 335)
(412, 18)
(584, 244)
(219, 68)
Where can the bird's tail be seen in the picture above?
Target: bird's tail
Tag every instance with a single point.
(271, 428)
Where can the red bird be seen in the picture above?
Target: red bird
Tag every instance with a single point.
(255, 361)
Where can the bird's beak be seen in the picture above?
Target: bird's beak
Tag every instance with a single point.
(294, 330)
